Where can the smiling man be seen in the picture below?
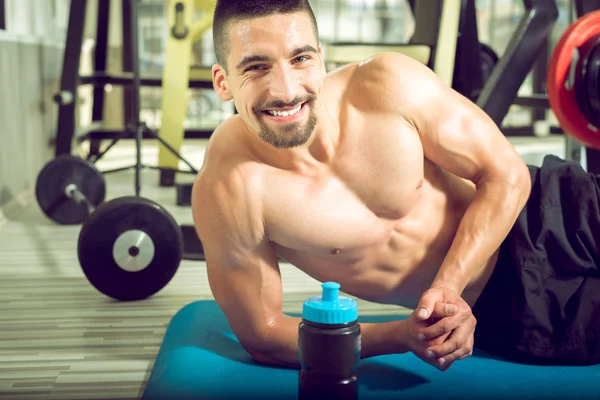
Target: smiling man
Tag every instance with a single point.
(290, 134)
(379, 177)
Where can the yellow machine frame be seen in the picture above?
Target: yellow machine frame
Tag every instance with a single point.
(176, 74)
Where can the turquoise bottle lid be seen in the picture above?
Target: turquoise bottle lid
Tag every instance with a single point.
(329, 308)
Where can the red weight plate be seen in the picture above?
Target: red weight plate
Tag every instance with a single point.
(563, 101)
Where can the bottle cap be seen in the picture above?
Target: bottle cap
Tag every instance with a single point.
(329, 308)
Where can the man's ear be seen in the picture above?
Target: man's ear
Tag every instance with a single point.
(220, 83)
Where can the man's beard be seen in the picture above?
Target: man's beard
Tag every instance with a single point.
(293, 134)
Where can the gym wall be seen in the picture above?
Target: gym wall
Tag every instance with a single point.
(30, 66)
(31, 58)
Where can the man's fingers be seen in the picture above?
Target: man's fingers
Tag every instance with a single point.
(444, 362)
(444, 325)
(460, 354)
(424, 310)
(442, 310)
(441, 363)
(450, 318)
(448, 347)
(427, 305)
(434, 362)
(460, 343)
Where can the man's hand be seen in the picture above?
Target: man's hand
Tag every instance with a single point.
(442, 328)
(419, 344)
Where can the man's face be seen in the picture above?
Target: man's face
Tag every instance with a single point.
(275, 74)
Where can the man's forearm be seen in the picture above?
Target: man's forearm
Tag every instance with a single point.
(484, 226)
(281, 348)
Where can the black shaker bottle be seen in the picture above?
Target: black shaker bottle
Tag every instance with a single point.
(329, 347)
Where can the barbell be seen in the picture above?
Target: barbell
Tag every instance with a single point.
(68, 189)
(129, 248)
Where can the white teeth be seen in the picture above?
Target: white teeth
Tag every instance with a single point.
(285, 113)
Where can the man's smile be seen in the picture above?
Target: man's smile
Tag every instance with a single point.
(287, 114)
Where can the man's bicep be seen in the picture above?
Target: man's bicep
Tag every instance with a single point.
(247, 286)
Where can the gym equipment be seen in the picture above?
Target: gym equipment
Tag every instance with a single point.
(538, 100)
(433, 42)
(474, 61)
(199, 78)
(201, 358)
(445, 39)
(574, 80)
(68, 189)
(488, 60)
(529, 38)
(176, 72)
(470, 76)
(2, 15)
(130, 248)
(136, 128)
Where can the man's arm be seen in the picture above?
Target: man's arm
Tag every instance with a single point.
(244, 277)
(462, 139)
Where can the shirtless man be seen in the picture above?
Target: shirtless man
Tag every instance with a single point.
(376, 176)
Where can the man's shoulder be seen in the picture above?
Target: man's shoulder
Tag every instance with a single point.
(387, 80)
(389, 63)
(227, 173)
(227, 205)
(228, 148)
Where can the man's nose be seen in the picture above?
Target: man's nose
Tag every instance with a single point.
(284, 84)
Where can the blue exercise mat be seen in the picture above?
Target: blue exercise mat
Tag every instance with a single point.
(201, 358)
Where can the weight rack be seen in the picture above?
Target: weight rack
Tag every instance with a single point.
(528, 40)
(135, 129)
(71, 79)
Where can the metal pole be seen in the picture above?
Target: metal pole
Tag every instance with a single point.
(135, 68)
(2, 15)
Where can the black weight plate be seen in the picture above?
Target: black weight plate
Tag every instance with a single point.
(584, 80)
(56, 176)
(592, 82)
(107, 225)
(488, 59)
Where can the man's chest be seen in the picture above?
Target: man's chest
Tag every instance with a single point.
(352, 205)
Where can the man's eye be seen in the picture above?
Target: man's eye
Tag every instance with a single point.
(255, 68)
(302, 59)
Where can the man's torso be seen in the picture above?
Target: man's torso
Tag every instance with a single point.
(378, 218)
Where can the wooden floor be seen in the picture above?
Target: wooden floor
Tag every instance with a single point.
(59, 337)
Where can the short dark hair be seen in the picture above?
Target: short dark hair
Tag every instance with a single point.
(227, 11)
